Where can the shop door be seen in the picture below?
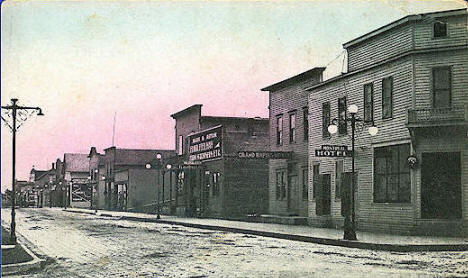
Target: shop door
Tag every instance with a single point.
(292, 195)
(441, 186)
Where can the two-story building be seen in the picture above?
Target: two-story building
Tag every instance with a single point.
(214, 173)
(408, 78)
(289, 132)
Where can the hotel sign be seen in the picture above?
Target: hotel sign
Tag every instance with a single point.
(333, 151)
(206, 145)
(264, 155)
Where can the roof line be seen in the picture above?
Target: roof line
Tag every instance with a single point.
(393, 24)
(391, 59)
(294, 79)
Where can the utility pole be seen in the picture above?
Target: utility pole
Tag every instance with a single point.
(14, 107)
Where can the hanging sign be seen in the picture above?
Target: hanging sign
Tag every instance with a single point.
(333, 151)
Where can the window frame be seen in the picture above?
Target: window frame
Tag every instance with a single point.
(305, 183)
(434, 35)
(279, 131)
(342, 122)
(180, 145)
(315, 179)
(292, 129)
(390, 79)
(338, 177)
(305, 119)
(280, 186)
(216, 176)
(433, 85)
(389, 174)
(326, 118)
(367, 118)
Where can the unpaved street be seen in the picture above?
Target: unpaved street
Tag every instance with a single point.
(80, 245)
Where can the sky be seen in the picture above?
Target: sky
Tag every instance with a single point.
(84, 62)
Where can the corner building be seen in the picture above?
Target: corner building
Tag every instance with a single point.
(409, 79)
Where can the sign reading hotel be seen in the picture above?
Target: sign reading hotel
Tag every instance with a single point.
(206, 145)
(264, 155)
(333, 151)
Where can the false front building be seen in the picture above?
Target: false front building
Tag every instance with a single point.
(408, 78)
(214, 173)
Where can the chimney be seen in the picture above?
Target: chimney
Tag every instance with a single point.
(53, 166)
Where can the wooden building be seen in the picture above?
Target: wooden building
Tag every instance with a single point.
(409, 78)
(288, 113)
(210, 175)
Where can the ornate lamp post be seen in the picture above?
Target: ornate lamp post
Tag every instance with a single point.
(350, 217)
(18, 113)
(159, 165)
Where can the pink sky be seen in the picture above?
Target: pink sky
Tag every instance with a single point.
(83, 61)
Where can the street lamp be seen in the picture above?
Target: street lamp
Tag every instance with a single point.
(20, 111)
(350, 217)
(168, 167)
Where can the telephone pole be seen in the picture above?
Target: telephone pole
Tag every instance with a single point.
(15, 108)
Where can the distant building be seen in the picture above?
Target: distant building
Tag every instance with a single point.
(122, 179)
(75, 171)
(289, 132)
(409, 78)
(211, 175)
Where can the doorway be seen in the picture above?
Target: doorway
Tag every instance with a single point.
(323, 198)
(441, 186)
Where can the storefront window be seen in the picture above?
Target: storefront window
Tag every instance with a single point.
(391, 174)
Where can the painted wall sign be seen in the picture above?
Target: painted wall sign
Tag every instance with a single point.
(333, 151)
(206, 145)
(264, 155)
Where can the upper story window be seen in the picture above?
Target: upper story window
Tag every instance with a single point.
(180, 145)
(441, 87)
(369, 102)
(342, 124)
(279, 130)
(292, 127)
(325, 119)
(440, 29)
(387, 97)
(305, 114)
(391, 174)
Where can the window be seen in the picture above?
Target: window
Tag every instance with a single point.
(279, 130)
(342, 125)
(292, 128)
(325, 119)
(387, 97)
(280, 185)
(391, 174)
(216, 182)
(305, 114)
(305, 183)
(180, 145)
(368, 102)
(440, 29)
(338, 178)
(316, 180)
(441, 87)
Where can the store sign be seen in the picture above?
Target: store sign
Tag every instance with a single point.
(206, 145)
(264, 155)
(333, 151)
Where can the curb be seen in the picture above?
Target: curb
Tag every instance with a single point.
(310, 239)
(10, 269)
